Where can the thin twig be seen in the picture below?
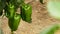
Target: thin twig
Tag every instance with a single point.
(12, 32)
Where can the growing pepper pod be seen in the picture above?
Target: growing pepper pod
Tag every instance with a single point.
(10, 10)
(26, 11)
(14, 22)
(2, 6)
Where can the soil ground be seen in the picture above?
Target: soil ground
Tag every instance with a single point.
(40, 20)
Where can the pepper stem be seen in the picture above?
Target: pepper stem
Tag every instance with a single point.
(12, 32)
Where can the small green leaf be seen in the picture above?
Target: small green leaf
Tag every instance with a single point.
(1, 32)
(50, 29)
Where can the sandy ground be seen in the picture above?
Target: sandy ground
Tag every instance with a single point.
(40, 20)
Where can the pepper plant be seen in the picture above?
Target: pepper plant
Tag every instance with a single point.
(10, 11)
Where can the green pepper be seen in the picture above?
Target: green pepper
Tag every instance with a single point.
(10, 10)
(2, 6)
(26, 12)
(14, 22)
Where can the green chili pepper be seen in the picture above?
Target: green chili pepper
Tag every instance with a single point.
(2, 6)
(10, 10)
(14, 22)
(26, 11)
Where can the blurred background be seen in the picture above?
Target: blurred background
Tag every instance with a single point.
(40, 20)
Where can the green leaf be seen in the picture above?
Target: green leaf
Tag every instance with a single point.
(2, 6)
(20, 1)
(1, 12)
(50, 29)
(1, 32)
(53, 7)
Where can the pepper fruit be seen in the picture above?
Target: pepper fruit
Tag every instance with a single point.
(2, 5)
(10, 10)
(26, 11)
(14, 22)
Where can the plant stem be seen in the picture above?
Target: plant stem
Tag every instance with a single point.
(12, 32)
(41, 1)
